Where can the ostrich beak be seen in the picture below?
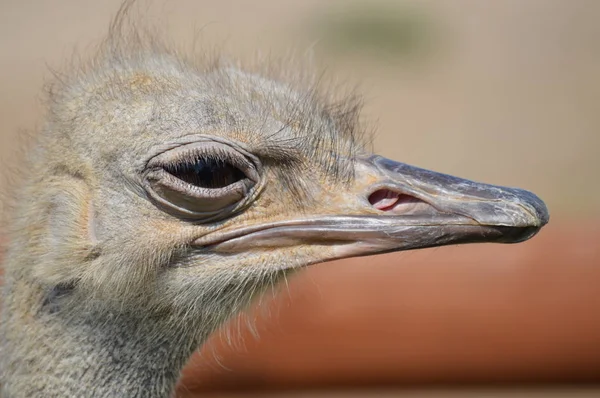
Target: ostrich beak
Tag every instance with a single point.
(427, 208)
(392, 206)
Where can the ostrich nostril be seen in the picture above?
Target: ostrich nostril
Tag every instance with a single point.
(386, 199)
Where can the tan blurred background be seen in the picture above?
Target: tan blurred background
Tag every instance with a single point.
(506, 92)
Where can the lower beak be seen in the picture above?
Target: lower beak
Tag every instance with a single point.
(400, 207)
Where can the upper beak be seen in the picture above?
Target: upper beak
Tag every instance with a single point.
(392, 206)
(443, 209)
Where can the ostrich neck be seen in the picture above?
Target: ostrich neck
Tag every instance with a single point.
(99, 354)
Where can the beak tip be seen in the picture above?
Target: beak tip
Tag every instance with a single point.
(538, 209)
(535, 216)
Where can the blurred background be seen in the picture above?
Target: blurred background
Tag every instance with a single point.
(506, 92)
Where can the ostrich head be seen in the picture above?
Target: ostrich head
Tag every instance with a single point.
(162, 196)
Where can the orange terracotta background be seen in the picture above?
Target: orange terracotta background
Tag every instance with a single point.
(504, 92)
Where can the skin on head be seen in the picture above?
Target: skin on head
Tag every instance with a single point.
(164, 195)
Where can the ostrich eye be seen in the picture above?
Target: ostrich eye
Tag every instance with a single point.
(202, 181)
(206, 173)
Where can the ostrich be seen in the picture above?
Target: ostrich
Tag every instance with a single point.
(163, 195)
